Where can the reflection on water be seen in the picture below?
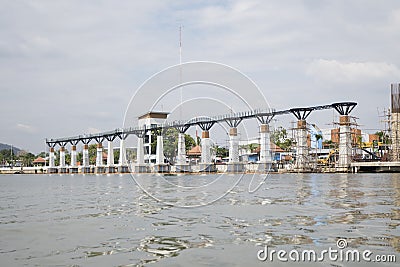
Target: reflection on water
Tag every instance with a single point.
(109, 221)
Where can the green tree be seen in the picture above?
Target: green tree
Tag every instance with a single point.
(198, 140)
(42, 154)
(27, 158)
(116, 156)
(383, 137)
(79, 157)
(221, 151)
(92, 153)
(189, 142)
(280, 138)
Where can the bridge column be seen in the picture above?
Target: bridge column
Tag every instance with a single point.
(110, 157)
(265, 148)
(265, 160)
(122, 162)
(234, 165)
(99, 159)
(206, 164)
(181, 165)
(73, 168)
(62, 160)
(85, 159)
(344, 142)
(51, 168)
(205, 148)
(395, 122)
(233, 146)
(140, 166)
(302, 157)
(181, 157)
(302, 163)
(160, 165)
(345, 147)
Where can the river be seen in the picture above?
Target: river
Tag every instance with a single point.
(194, 220)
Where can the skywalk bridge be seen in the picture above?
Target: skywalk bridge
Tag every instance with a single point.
(233, 120)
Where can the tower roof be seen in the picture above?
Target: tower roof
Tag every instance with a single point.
(154, 114)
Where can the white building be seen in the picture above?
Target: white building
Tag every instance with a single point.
(152, 118)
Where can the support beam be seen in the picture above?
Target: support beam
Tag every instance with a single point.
(181, 165)
(233, 146)
(344, 144)
(395, 122)
(205, 147)
(99, 159)
(345, 147)
(73, 156)
(234, 165)
(85, 159)
(302, 153)
(140, 151)
(62, 160)
(160, 166)
(110, 157)
(265, 149)
(140, 166)
(206, 164)
(52, 157)
(181, 157)
(74, 167)
(122, 162)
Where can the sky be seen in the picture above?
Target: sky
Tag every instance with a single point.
(71, 67)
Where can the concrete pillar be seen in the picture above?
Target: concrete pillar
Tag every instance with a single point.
(110, 157)
(160, 165)
(85, 158)
(265, 161)
(395, 121)
(51, 158)
(233, 146)
(99, 155)
(52, 168)
(85, 155)
(234, 165)
(301, 146)
(122, 153)
(205, 148)
(181, 157)
(344, 143)
(62, 157)
(140, 151)
(395, 126)
(73, 167)
(73, 156)
(160, 150)
(110, 154)
(140, 167)
(265, 144)
(181, 165)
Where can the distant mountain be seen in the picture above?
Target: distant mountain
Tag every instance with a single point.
(16, 150)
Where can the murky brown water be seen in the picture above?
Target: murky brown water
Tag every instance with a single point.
(108, 220)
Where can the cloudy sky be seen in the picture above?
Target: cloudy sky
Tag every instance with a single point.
(71, 67)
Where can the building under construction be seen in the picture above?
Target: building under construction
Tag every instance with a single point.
(389, 162)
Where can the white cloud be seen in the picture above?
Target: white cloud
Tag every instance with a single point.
(83, 60)
(334, 71)
(25, 128)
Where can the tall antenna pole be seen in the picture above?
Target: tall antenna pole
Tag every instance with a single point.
(180, 68)
(180, 44)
